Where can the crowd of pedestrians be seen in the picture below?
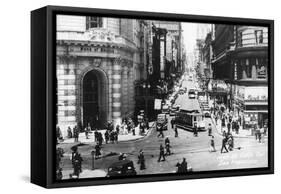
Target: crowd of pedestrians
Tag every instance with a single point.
(226, 120)
(229, 122)
(111, 134)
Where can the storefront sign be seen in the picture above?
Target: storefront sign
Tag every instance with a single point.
(239, 93)
(256, 93)
(157, 104)
(218, 86)
(251, 119)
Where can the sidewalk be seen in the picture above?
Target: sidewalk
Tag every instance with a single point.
(121, 137)
(243, 133)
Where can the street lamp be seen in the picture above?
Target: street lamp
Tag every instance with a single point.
(146, 86)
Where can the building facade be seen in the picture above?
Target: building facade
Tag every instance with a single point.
(172, 46)
(98, 60)
(241, 60)
(250, 75)
(163, 62)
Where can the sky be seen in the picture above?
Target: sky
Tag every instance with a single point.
(190, 34)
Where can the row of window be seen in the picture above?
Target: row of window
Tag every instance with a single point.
(258, 37)
(94, 22)
(245, 68)
(91, 49)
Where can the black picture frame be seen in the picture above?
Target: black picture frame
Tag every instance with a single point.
(43, 95)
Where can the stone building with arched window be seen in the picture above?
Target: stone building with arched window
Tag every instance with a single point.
(98, 60)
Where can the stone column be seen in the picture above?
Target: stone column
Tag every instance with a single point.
(244, 74)
(254, 68)
(110, 88)
(131, 90)
(248, 68)
(67, 90)
(124, 90)
(116, 90)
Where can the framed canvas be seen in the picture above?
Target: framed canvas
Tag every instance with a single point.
(126, 96)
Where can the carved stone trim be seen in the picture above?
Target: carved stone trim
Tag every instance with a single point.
(96, 62)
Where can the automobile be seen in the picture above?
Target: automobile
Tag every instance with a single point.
(165, 109)
(174, 109)
(162, 121)
(121, 168)
(207, 114)
(181, 91)
(191, 94)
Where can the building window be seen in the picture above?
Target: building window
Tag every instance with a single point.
(239, 39)
(261, 68)
(248, 68)
(93, 22)
(259, 36)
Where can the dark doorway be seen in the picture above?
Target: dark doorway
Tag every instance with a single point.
(91, 100)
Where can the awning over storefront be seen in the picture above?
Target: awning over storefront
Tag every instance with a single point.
(218, 86)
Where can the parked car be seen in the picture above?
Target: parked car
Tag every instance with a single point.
(174, 109)
(207, 114)
(165, 109)
(122, 168)
(191, 94)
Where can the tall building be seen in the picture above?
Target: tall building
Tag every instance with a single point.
(173, 47)
(241, 60)
(250, 75)
(163, 63)
(98, 60)
(207, 56)
(200, 66)
(202, 50)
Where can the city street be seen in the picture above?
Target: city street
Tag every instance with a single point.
(124, 80)
(247, 153)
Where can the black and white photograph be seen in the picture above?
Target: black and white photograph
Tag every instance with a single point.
(144, 97)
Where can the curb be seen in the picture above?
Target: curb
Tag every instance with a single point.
(123, 141)
(140, 138)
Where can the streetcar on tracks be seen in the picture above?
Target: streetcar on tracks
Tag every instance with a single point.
(190, 115)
